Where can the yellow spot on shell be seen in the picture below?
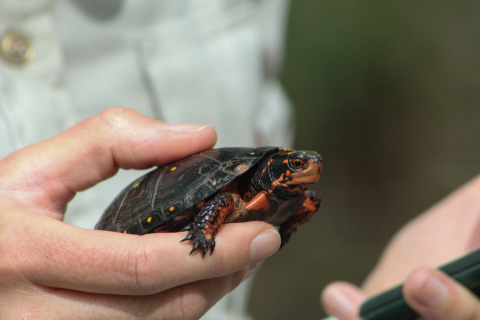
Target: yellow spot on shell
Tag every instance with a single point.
(173, 169)
(252, 153)
(149, 219)
(136, 185)
(303, 151)
(171, 208)
(125, 231)
(289, 153)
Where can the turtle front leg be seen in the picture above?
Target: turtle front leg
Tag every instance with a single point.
(203, 229)
(303, 215)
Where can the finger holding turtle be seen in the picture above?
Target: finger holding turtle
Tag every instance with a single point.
(53, 270)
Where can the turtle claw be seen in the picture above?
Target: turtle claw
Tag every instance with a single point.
(196, 235)
(204, 246)
(188, 237)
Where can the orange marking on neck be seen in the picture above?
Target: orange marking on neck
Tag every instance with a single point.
(278, 182)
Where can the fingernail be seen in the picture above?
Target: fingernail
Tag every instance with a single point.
(341, 304)
(186, 127)
(264, 245)
(431, 292)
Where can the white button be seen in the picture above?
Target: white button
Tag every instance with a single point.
(16, 48)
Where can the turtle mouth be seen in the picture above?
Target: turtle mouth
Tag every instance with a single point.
(310, 174)
(307, 179)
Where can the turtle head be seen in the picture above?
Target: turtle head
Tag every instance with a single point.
(294, 172)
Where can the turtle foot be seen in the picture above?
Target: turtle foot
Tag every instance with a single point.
(203, 229)
(199, 239)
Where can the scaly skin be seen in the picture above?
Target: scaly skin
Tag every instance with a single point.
(205, 226)
(273, 192)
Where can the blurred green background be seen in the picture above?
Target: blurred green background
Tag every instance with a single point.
(389, 93)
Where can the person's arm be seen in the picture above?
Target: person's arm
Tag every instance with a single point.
(51, 270)
(445, 232)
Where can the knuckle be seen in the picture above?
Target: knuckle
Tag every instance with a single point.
(125, 131)
(110, 121)
(114, 118)
(15, 257)
(138, 268)
(112, 114)
(188, 302)
(110, 127)
(189, 306)
(191, 301)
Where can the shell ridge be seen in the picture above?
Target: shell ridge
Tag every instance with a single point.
(204, 155)
(141, 226)
(117, 209)
(154, 195)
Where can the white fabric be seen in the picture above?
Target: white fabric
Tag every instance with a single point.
(198, 61)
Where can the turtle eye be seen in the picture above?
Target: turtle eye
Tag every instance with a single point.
(298, 163)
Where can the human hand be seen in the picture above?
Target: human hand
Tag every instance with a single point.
(445, 232)
(51, 270)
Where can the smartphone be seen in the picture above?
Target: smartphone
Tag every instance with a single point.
(390, 305)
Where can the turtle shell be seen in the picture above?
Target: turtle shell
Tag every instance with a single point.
(166, 198)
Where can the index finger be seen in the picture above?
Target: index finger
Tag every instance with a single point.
(48, 174)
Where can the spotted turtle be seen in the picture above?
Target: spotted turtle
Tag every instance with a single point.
(201, 192)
